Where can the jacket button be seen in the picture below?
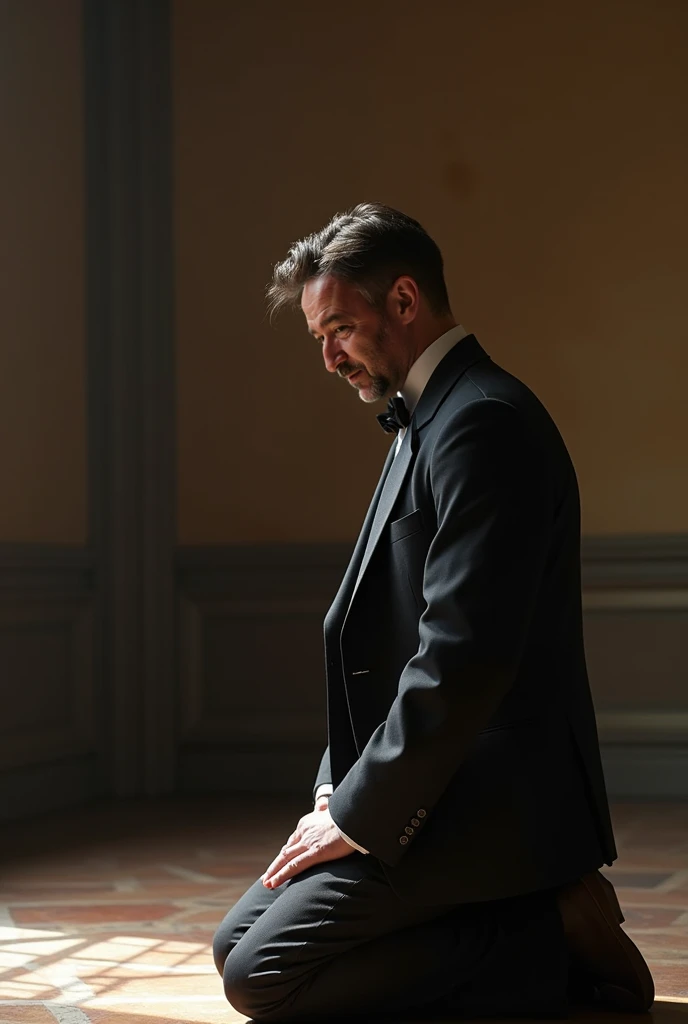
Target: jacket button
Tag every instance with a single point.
(403, 840)
(421, 813)
(408, 830)
(414, 821)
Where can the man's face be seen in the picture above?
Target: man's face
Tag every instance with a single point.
(355, 338)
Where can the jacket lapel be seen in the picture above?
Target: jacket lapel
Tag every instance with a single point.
(388, 495)
(455, 363)
(341, 600)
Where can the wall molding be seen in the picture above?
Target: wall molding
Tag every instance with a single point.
(646, 771)
(635, 560)
(646, 726)
(131, 381)
(634, 598)
(46, 568)
(108, 610)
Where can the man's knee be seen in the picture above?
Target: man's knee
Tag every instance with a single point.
(222, 947)
(249, 991)
(239, 990)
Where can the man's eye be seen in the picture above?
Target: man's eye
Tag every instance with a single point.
(343, 328)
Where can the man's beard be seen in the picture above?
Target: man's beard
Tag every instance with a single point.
(380, 385)
(377, 389)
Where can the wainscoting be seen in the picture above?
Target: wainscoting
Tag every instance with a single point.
(49, 754)
(247, 681)
(252, 691)
(636, 632)
(252, 709)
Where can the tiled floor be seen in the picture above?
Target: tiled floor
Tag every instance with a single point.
(107, 914)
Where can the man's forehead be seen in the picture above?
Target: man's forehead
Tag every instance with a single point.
(320, 291)
(323, 302)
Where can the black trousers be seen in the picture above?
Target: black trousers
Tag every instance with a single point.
(335, 941)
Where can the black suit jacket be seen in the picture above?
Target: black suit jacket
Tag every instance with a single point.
(462, 744)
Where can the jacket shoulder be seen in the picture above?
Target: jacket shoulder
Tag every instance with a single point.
(490, 390)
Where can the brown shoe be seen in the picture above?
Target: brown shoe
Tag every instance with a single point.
(592, 919)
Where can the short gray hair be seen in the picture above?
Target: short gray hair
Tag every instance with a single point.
(370, 246)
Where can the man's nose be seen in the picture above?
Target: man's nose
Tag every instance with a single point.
(333, 354)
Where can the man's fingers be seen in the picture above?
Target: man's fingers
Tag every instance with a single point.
(293, 867)
(314, 839)
(287, 854)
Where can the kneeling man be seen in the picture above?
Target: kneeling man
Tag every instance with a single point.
(450, 862)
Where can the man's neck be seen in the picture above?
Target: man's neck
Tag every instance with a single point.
(423, 367)
(433, 330)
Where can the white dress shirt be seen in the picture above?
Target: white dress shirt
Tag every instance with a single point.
(412, 388)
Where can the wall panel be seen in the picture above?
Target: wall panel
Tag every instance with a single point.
(252, 679)
(51, 751)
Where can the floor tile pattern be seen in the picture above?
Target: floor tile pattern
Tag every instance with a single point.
(107, 913)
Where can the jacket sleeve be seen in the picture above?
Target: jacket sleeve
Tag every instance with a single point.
(494, 509)
(324, 774)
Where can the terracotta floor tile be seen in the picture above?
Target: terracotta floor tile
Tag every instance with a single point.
(634, 860)
(158, 986)
(636, 879)
(28, 1015)
(163, 1013)
(248, 870)
(181, 890)
(211, 917)
(194, 951)
(27, 985)
(196, 937)
(650, 917)
(18, 892)
(671, 980)
(642, 897)
(160, 890)
(676, 943)
(87, 914)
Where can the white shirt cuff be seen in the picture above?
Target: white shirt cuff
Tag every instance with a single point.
(326, 790)
(351, 842)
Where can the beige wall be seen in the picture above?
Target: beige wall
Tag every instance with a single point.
(544, 147)
(42, 389)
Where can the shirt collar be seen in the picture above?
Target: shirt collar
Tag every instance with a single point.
(424, 366)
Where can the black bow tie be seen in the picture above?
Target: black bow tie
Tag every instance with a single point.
(396, 417)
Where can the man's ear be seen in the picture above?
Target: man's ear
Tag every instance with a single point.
(404, 296)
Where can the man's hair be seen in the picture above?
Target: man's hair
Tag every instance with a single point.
(370, 246)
